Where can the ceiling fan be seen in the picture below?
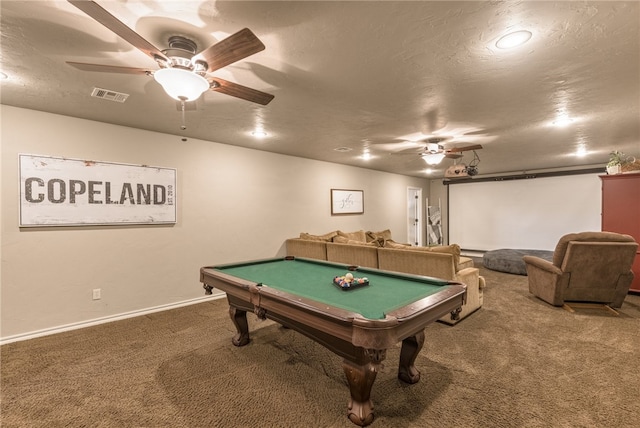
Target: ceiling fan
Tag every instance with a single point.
(433, 152)
(183, 70)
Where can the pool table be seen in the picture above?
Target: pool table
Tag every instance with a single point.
(358, 324)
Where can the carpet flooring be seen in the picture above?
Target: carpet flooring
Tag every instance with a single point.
(516, 362)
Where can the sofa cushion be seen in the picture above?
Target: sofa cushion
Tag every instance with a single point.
(453, 249)
(465, 262)
(389, 243)
(307, 248)
(438, 265)
(326, 237)
(358, 235)
(359, 254)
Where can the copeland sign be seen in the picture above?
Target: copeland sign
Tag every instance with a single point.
(72, 192)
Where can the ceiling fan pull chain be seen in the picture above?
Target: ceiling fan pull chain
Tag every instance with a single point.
(183, 126)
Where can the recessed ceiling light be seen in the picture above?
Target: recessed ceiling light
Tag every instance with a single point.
(259, 134)
(343, 149)
(514, 39)
(581, 151)
(562, 122)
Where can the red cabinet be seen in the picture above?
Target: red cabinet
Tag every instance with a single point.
(621, 211)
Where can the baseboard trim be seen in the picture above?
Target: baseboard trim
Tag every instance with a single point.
(104, 320)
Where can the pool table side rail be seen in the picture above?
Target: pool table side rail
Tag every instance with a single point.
(454, 292)
(407, 276)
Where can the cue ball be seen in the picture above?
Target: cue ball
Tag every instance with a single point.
(349, 277)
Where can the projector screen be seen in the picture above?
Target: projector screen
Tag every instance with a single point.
(524, 213)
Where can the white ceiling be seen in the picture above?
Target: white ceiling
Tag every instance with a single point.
(361, 75)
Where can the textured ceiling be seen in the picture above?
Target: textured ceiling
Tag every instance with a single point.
(360, 75)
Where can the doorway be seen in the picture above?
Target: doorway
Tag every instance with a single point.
(414, 216)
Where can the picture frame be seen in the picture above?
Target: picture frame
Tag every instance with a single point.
(58, 191)
(347, 202)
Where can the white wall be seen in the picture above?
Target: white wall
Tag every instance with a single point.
(233, 204)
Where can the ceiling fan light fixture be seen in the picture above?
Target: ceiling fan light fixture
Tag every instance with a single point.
(433, 148)
(183, 85)
(433, 158)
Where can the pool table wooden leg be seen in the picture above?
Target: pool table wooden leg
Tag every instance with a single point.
(411, 346)
(360, 378)
(239, 319)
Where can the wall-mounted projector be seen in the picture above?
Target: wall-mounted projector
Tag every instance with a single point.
(456, 171)
(461, 171)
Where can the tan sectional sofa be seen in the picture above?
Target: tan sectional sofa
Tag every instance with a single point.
(378, 250)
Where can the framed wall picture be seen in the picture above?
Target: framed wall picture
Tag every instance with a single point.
(347, 201)
(57, 191)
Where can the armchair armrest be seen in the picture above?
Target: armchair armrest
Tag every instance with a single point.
(546, 280)
(482, 283)
(471, 278)
(474, 282)
(543, 264)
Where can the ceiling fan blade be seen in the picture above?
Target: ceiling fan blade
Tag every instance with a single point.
(453, 155)
(234, 48)
(108, 68)
(400, 146)
(412, 152)
(239, 91)
(464, 149)
(98, 13)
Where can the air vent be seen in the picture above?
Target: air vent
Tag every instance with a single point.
(106, 94)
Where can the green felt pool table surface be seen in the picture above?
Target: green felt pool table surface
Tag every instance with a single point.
(314, 280)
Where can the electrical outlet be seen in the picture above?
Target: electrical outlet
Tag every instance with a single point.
(96, 294)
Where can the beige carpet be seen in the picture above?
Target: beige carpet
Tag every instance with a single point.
(517, 362)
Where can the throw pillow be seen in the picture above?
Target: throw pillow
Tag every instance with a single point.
(343, 240)
(326, 237)
(358, 235)
(453, 249)
(384, 234)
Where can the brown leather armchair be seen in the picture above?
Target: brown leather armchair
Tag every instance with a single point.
(590, 267)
